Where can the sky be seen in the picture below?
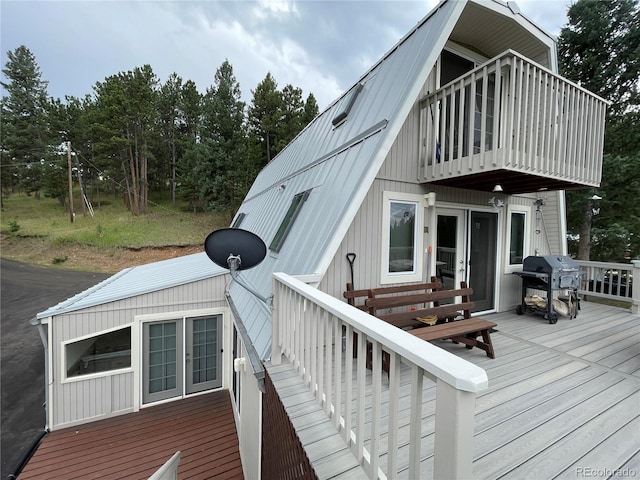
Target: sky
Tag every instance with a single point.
(320, 46)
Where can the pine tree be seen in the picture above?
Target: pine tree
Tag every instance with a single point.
(599, 49)
(223, 127)
(265, 114)
(25, 130)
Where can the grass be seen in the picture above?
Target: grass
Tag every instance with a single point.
(40, 232)
(111, 226)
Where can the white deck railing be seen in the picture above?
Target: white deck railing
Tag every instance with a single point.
(513, 114)
(614, 281)
(316, 333)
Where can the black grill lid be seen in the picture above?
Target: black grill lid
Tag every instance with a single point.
(549, 263)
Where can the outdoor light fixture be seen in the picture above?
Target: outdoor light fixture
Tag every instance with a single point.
(430, 198)
(497, 188)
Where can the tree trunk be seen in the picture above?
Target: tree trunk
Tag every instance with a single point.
(134, 183)
(173, 172)
(584, 246)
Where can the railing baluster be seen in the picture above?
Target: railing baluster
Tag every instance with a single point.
(348, 372)
(322, 320)
(337, 349)
(376, 393)
(328, 345)
(497, 100)
(394, 394)
(415, 418)
(360, 397)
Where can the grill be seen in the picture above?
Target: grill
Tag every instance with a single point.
(550, 273)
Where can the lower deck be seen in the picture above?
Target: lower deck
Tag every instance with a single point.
(136, 445)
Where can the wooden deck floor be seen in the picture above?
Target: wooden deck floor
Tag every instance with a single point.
(563, 400)
(134, 446)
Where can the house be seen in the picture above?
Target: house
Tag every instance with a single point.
(448, 157)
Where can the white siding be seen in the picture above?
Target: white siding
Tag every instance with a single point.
(81, 400)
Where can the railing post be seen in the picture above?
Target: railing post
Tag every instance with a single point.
(454, 426)
(635, 293)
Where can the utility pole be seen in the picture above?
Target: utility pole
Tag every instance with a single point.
(70, 182)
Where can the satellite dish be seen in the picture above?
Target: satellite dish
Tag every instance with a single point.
(243, 247)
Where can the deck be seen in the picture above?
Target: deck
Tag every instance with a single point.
(135, 445)
(563, 400)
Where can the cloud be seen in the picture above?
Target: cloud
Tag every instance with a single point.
(322, 47)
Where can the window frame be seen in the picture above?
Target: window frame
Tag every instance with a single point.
(116, 371)
(288, 221)
(526, 239)
(415, 275)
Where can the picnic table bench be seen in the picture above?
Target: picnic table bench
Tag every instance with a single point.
(453, 321)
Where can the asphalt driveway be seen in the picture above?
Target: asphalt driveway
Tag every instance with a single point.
(26, 291)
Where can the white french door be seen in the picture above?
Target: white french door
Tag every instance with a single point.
(180, 357)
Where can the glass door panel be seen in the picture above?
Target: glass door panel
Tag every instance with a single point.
(202, 353)
(450, 255)
(483, 239)
(162, 360)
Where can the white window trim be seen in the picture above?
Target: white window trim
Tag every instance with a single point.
(527, 211)
(402, 277)
(108, 373)
(136, 348)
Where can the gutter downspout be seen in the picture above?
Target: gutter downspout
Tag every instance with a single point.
(43, 337)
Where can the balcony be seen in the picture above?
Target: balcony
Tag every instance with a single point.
(512, 122)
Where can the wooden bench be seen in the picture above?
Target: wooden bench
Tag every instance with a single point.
(408, 303)
(462, 331)
(423, 304)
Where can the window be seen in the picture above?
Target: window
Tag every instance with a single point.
(287, 222)
(101, 353)
(517, 231)
(238, 221)
(402, 238)
(346, 104)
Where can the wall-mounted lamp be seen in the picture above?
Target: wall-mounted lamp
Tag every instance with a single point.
(539, 202)
(496, 202)
(239, 364)
(430, 198)
(595, 210)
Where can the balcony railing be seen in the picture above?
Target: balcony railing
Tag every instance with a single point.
(513, 114)
(326, 340)
(613, 281)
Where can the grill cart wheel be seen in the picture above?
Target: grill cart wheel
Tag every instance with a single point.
(553, 318)
(520, 310)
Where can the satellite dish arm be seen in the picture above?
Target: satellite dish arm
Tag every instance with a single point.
(234, 262)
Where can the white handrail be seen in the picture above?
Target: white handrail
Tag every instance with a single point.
(316, 333)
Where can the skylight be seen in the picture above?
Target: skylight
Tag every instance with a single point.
(346, 104)
(287, 222)
(238, 220)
